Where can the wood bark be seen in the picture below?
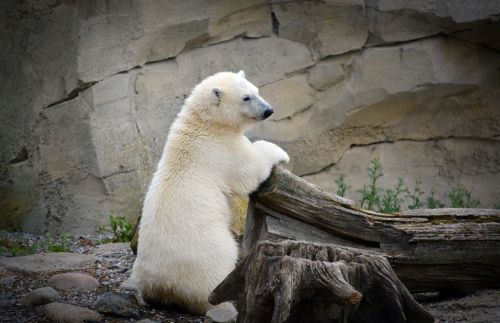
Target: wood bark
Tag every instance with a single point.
(291, 281)
(430, 250)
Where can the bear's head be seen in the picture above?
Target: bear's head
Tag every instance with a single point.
(228, 99)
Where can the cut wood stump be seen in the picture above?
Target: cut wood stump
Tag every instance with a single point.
(292, 281)
(430, 250)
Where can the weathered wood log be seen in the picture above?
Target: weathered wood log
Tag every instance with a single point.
(293, 281)
(430, 250)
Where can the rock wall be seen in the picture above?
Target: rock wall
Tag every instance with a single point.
(89, 89)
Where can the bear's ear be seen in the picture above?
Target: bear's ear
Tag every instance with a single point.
(242, 74)
(216, 95)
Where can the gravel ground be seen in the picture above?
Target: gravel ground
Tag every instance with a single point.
(114, 265)
(112, 269)
(480, 307)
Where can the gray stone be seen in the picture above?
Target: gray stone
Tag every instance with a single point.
(288, 97)
(8, 281)
(395, 21)
(73, 281)
(66, 313)
(327, 28)
(330, 71)
(108, 45)
(221, 315)
(111, 248)
(261, 59)
(47, 262)
(41, 296)
(113, 304)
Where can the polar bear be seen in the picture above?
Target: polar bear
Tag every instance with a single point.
(185, 245)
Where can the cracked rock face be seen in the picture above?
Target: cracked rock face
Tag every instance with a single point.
(89, 90)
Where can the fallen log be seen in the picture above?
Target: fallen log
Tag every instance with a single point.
(430, 250)
(291, 281)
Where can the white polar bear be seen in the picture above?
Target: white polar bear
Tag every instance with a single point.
(185, 245)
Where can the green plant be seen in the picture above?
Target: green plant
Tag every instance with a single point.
(122, 228)
(461, 197)
(432, 201)
(102, 229)
(370, 195)
(63, 245)
(17, 247)
(415, 195)
(342, 187)
(496, 206)
(391, 201)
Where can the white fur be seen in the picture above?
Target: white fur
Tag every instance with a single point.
(185, 246)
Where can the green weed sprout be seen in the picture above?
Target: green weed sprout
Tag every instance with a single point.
(370, 195)
(461, 197)
(342, 187)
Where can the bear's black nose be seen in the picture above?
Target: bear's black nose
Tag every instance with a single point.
(267, 113)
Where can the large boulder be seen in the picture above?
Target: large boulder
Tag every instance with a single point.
(140, 32)
(327, 28)
(397, 21)
(90, 90)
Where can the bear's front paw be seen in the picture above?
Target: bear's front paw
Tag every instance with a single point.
(276, 153)
(283, 156)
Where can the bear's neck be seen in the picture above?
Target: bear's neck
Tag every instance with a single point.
(194, 122)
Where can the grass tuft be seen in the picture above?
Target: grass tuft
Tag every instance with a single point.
(432, 201)
(370, 194)
(391, 201)
(415, 195)
(461, 197)
(122, 228)
(342, 187)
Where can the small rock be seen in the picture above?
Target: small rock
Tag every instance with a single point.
(69, 281)
(111, 303)
(7, 299)
(221, 315)
(145, 321)
(47, 262)
(41, 296)
(111, 248)
(7, 282)
(66, 313)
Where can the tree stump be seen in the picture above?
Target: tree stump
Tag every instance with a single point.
(293, 281)
(430, 250)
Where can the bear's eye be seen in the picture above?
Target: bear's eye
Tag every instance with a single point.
(246, 98)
